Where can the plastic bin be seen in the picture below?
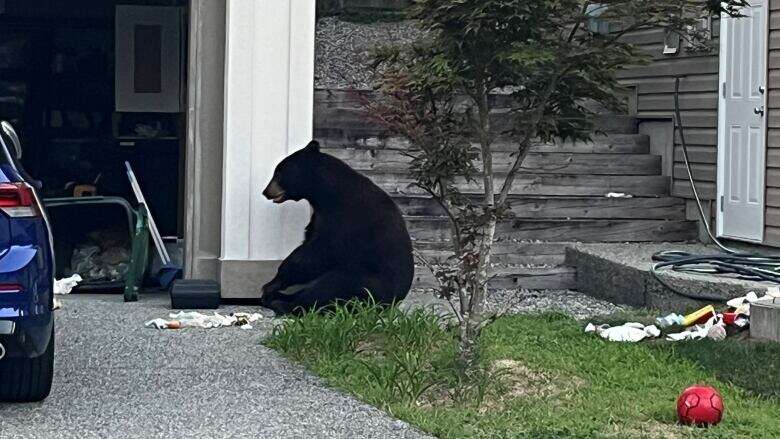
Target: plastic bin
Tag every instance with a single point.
(75, 221)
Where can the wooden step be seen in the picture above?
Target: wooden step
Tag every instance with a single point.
(550, 207)
(330, 121)
(513, 277)
(599, 144)
(541, 184)
(346, 109)
(583, 230)
(535, 163)
(511, 253)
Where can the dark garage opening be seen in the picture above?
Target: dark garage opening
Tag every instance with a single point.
(90, 84)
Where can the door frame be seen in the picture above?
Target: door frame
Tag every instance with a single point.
(721, 163)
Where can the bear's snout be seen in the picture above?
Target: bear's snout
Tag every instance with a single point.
(274, 192)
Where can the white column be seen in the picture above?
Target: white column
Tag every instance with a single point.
(269, 82)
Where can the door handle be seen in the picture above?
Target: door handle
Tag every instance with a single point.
(759, 110)
(761, 89)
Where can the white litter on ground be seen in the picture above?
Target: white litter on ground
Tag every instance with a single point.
(713, 329)
(193, 319)
(631, 332)
(66, 285)
(712, 324)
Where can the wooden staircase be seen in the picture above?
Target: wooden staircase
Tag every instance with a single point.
(560, 199)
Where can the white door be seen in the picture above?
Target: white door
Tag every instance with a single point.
(742, 124)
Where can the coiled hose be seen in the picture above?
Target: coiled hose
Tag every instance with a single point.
(743, 265)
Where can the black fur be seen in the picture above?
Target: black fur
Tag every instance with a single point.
(356, 242)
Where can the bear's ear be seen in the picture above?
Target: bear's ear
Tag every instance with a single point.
(313, 146)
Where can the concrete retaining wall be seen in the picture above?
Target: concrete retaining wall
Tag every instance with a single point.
(621, 273)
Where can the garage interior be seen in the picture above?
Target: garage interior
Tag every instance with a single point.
(88, 85)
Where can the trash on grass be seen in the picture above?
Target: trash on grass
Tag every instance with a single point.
(735, 319)
(629, 332)
(741, 305)
(699, 316)
(670, 320)
(712, 329)
(66, 285)
(193, 319)
(717, 333)
(618, 195)
(703, 323)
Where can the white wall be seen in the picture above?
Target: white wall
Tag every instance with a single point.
(269, 81)
(205, 136)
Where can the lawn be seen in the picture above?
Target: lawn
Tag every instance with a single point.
(544, 377)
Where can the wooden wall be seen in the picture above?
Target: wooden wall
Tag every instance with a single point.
(772, 227)
(698, 102)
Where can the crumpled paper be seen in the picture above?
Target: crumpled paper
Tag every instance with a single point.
(66, 285)
(194, 319)
(631, 332)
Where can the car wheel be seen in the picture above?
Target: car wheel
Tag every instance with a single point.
(27, 379)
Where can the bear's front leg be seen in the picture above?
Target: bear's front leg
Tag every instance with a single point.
(303, 265)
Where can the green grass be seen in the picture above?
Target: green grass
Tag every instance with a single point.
(545, 377)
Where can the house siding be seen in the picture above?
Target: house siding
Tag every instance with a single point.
(699, 107)
(772, 219)
(654, 85)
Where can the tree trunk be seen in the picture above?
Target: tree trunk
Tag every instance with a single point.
(473, 320)
(471, 325)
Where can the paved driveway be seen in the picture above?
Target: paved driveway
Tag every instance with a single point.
(115, 378)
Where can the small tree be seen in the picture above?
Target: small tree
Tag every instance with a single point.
(548, 62)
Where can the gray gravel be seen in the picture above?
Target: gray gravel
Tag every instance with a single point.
(115, 378)
(343, 50)
(577, 305)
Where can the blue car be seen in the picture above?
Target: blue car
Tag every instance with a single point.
(26, 281)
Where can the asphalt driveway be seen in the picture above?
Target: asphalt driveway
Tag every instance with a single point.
(116, 378)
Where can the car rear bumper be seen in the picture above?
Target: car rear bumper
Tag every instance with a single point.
(27, 338)
(26, 317)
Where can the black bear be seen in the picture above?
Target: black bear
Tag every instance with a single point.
(356, 244)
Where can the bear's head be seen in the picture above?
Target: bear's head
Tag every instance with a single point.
(294, 178)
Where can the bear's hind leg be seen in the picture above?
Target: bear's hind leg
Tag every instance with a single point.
(332, 287)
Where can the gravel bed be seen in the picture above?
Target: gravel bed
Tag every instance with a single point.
(343, 50)
(578, 305)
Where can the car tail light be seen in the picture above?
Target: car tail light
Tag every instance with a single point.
(11, 288)
(17, 200)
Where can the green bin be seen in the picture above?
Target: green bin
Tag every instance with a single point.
(73, 220)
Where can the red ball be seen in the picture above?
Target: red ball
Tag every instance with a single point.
(700, 405)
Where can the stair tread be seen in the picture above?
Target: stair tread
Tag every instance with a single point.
(599, 144)
(428, 228)
(541, 184)
(562, 197)
(547, 220)
(577, 163)
(529, 277)
(564, 207)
